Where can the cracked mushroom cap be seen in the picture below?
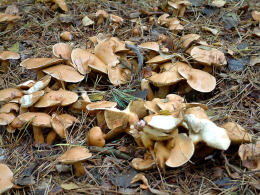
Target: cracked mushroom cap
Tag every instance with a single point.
(39, 63)
(8, 17)
(6, 118)
(208, 56)
(75, 154)
(9, 107)
(181, 151)
(236, 133)
(6, 178)
(38, 119)
(96, 137)
(100, 105)
(62, 97)
(197, 79)
(64, 73)
(62, 50)
(27, 101)
(9, 94)
(9, 55)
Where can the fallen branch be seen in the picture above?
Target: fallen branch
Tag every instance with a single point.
(140, 57)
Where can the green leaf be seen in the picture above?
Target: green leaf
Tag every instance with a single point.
(14, 47)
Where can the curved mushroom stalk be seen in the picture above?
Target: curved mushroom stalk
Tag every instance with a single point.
(95, 137)
(79, 170)
(51, 137)
(38, 136)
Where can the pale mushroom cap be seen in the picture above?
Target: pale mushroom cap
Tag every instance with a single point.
(143, 165)
(138, 107)
(101, 105)
(172, 103)
(152, 105)
(210, 56)
(198, 79)
(97, 64)
(116, 118)
(9, 107)
(38, 119)
(256, 15)
(27, 84)
(27, 101)
(236, 133)
(158, 60)
(116, 19)
(96, 137)
(8, 18)
(181, 152)
(39, 85)
(187, 39)
(9, 94)
(249, 151)
(62, 4)
(151, 46)
(102, 13)
(6, 178)
(39, 63)
(75, 154)
(62, 97)
(62, 50)
(8, 55)
(64, 73)
(80, 60)
(6, 118)
(155, 134)
(117, 75)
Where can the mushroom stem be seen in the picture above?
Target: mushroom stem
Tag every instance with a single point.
(146, 85)
(63, 84)
(113, 133)
(79, 170)
(40, 74)
(100, 20)
(38, 136)
(51, 137)
(5, 65)
(162, 92)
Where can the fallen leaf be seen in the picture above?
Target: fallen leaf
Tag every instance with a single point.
(86, 21)
(69, 186)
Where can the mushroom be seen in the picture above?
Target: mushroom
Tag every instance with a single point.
(6, 178)
(145, 85)
(66, 36)
(143, 164)
(101, 14)
(10, 94)
(39, 63)
(116, 19)
(5, 56)
(256, 15)
(179, 6)
(62, 4)
(151, 46)
(188, 39)
(95, 137)
(27, 101)
(38, 120)
(117, 75)
(158, 60)
(75, 156)
(26, 85)
(39, 85)
(8, 17)
(6, 118)
(9, 107)
(62, 50)
(198, 79)
(162, 153)
(202, 129)
(172, 23)
(100, 105)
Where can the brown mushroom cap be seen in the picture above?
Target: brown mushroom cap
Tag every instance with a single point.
(95, 137)
(151, 46)
(27, 101)
(66, 36)
(116, 19)
(8, 17)
(152, 106)
(9, 94)
(102, 13)
(64, 73)
(186, 40)
(9, 107)
(156, 134)
(158, 60)
(6, 178)
(62, 50)
(209, 56)
(62, 97)
(75, 154)
(9, 55)
(39, 63)
(172, 103)
(38, 119)
(26, 85)
(117, 75)
(236, 133)
(143, 164)
(6, 118)
(181, 152)
(80, 60)
(198, 79)
(101, 105)
(62, 4)
(137, 107)
(39, 85)
(116, 118)
(256, 15)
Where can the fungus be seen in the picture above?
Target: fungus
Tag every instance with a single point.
(5, 57)
(95, 137)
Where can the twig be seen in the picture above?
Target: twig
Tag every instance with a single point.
(140, 57)
(109, 151)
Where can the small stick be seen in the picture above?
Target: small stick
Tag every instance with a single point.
(109, 151)
(140, 57)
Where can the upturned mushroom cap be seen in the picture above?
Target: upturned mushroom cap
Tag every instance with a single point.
(117, 75)
(38, 119)
(198, 79)
(95, 137)
(39, 85)
(6, 178)
(158, 60)
(9, 107)
(186, 40)
(62, 97)
(27, 101)
(256, 15)
(137, 107)
(81, 59)
(116, 118)
(100, 105)
(26, 85)
(143, 164)
(209, 56)
(152, 106)
(164, 123)
(151, 46)
(9, 55)
(236, 133)
(202, 129)
(75, 154)
(64, 73)
(61, 122)
(181, 152)
(155, 134)
(9, 94)
(6, 118)
(105, 51)
(62, 50)
(39, 63)
(8, 17)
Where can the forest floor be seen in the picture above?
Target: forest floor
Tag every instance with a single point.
(235, 98)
